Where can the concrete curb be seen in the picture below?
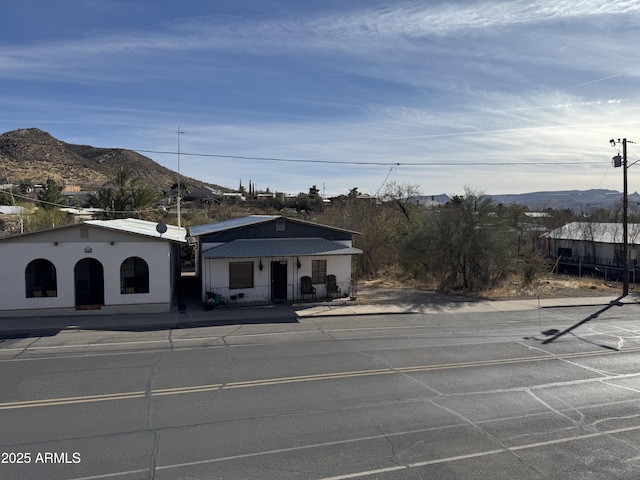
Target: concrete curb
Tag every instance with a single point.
(45, 326)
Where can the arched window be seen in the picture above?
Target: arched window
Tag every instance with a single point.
(134, 276)
(40, 279)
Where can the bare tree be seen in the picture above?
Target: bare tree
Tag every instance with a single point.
(402, 195)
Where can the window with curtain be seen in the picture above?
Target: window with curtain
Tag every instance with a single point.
(318, 271)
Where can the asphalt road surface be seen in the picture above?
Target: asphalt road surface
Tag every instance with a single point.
(440, 396)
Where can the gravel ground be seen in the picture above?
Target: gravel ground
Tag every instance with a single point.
(549, 287)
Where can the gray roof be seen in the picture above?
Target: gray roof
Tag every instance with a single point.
(224, 225)
(279, 247)
(198, 230)
(595, 232)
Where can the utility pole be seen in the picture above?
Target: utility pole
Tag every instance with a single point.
(622, 162)
(180, 132)
(625, 220)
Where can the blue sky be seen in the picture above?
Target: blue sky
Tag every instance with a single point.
(498, 96)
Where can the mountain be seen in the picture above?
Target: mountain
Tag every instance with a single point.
(576, 200)
(33, 155)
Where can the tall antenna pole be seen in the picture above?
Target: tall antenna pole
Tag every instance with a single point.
(179, 194)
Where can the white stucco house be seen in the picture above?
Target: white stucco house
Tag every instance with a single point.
(103, 266)
(272, 258)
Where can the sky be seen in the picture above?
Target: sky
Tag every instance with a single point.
(494, 96)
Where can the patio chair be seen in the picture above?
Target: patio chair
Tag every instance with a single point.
(307, 288)
(332, 286)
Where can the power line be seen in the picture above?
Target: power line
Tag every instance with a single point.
(392, 169)
(348, 162)
(44, 202)
(368, 162)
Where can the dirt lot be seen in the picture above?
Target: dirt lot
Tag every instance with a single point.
(549, 286)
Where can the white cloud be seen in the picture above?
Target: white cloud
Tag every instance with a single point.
(449, 82)
(339, 31)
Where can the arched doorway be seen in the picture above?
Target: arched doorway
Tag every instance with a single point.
(89, 283)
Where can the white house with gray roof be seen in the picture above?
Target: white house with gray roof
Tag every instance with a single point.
(272, 258)
(103, 266)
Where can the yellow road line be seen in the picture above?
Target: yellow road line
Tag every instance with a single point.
(294, 379)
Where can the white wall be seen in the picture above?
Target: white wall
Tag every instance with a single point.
(16, 255)
(216, 273)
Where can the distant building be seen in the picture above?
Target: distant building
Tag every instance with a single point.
(11, 220)
(234, 197)
(11, 210)
(83, 214)
(202, 194)
(595, 248)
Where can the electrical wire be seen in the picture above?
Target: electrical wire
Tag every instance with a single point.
(392, 169)
(347, 162)
(44, 202)
(366, 162)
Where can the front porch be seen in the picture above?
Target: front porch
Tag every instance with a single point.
(223, 296)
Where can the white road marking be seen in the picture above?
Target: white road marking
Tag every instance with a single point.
(365, 473)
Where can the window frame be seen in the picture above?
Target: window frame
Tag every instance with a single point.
(319, 271)
(241, 275)
(134, 276)
(41, 273)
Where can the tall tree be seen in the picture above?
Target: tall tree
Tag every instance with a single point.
(313, 192)
(51, 195)
(125, 195)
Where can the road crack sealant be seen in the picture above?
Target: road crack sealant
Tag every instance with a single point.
(170, 340)
(489, 436)
(230, 370)
(24, 350)
(434, 401)
(155, 454)
(394, 457)
(555, 411)
(148, 393)
(322, 330)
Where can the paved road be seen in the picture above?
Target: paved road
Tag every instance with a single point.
(445, 395)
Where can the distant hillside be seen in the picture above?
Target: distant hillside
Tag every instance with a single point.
(576, 200)
(33, 155)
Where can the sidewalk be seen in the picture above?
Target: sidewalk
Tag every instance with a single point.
(196, 316)
(465, 306)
